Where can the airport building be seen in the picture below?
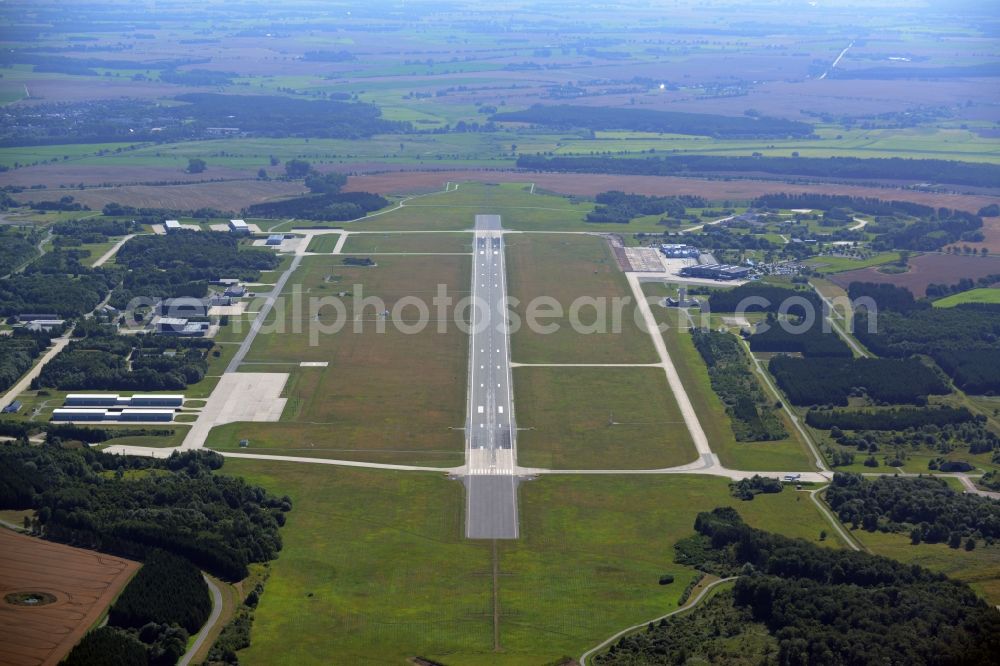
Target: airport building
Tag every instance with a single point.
(171, 225)
(97, 414)
(239, 227)
(678, 250)
(115, 400)
(274, 239)
(716, 272)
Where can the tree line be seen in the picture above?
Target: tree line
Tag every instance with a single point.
(620, 208)
(85, 498)
(872, 168)
(752, 416)
(831, 381)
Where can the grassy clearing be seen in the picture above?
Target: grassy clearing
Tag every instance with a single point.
(375, 567)
(385, 396)
(599, 418)
(786, 454)
(388, 242)
(567, 268)
(987, 295)
(979, 568)
(829, 264)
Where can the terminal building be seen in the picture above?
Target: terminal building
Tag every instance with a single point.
(716, 272)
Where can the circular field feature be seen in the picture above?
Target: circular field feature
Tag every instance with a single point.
(29, 599)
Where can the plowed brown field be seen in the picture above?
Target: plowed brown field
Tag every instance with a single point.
(83, 583)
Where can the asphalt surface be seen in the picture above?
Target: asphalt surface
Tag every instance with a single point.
(491, 483)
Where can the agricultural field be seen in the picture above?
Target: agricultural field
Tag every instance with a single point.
(53, 594)
(360, 573)
(986, 295)
(924, 270)
(565, 268)
(367, 404)
(600, 418)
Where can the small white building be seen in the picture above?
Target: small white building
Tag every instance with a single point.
(171, 225)
(238, 227)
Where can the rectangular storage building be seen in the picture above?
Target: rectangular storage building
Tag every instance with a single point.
(79, 414)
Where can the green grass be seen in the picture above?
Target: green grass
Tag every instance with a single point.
(599, 418)
(979, 568)
(566, 268)
(987, 295)
(385, 396)
(829, 264)
(388, 242)
(786, 454)
(323, 243)
(375, 567)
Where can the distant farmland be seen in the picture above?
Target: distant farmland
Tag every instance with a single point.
(925, 270)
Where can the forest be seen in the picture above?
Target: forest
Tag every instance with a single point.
(89, 499)
(620, 208)
(813, 342)
(15, 250)
(18, 352)
(870, 168)
(111, 362)
(564, 116)
(831, 381)
(820, 605)
(962, 340)
(752, 415)
(63, 295)
(896, 418)
(757, 297)
(925, 507)
(329, 206)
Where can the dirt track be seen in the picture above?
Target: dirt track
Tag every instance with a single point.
(590, 184)
(83, 582)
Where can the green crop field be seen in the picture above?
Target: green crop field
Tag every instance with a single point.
(566, 268)
(388, 396)
(375, 565)
(599, 418)
(986, 295)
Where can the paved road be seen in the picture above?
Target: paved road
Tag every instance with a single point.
(58, 344)
(207, 627)
(104, 258)
(491, 482)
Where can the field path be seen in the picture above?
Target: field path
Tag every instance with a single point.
(106, 257)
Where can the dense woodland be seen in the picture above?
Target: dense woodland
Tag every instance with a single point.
(15, 250)
(95, 500)
(18, 352)
(896, 418)
(752, 416)
(925, 507)
(963, 340)
(820, 605)
(886, 168)
(812, 342)
(620, 208)
(110, 362)
(831, 381)
(168, 589)
(330, 206)
(757, 297)
(64, 295)
(564, 116)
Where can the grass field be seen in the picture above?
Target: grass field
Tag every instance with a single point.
(375, 568)
(385, 397)
(599, 418)
(829, 264)
(378, 242)
(786, 454)
(567, 268)
(987, 295)
(324, 243)
(979, 568)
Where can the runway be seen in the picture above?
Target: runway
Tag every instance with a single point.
(491, 449)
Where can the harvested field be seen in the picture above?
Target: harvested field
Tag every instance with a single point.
(991, 237)
(72, 588)
(924, 270)
(590, 184)
(230, 195)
